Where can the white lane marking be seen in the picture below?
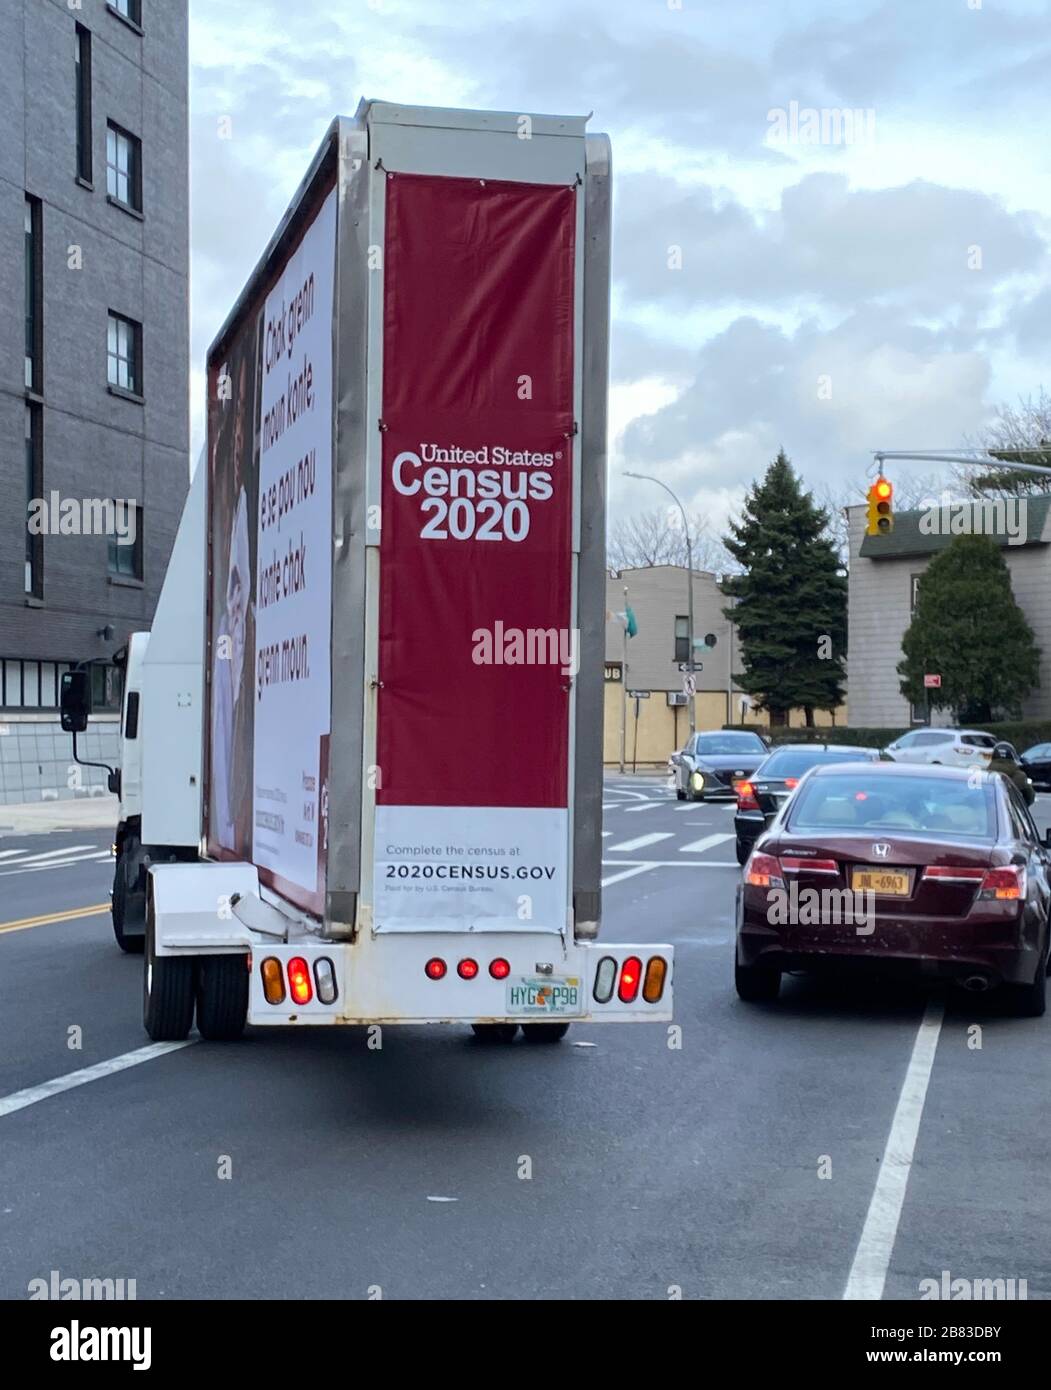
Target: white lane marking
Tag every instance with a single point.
(97, 860)
(627, 873)
(676, 863)
(57, 853)
(645, 806)
(708, 842)
(619, 791)
(20, 1099)
(10, 853)
(606, 834)
(640, 843)
(868, 1274)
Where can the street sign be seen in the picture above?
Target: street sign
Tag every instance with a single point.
(685, 666)
(638, 694)
(932, 682)
(689, 685)
(614, 671)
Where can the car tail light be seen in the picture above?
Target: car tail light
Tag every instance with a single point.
(630, 975)
(467, 969)
(746, 800)
(764, 871)
(791, 781)
(605, 980)
(499, 968)
(1004, 884)
(952, 873)
(325, 980)
(653, 985)
(434, 969)
(273, 981)
(791, 864)
(299, 981)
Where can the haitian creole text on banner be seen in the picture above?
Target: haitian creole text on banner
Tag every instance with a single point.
(294, 578)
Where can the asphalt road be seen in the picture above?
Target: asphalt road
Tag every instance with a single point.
(623, 1169)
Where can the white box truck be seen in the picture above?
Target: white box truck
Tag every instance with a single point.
(361, 770)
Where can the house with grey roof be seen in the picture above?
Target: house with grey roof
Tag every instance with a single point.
(884, 571)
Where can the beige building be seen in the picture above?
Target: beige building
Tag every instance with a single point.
(882, 592)
(658, 722)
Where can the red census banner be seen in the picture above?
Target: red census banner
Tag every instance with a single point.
(476, 646)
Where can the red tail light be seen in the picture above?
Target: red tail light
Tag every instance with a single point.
(1005, 884)
(499, 968)
(299, 980)
(764, 871)
(791, 781)
(746, 797)
(467, 969)
(434, 969)
(630, 975)
(953, 873)
(793, 865)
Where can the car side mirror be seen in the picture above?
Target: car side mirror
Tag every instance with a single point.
(75, 703)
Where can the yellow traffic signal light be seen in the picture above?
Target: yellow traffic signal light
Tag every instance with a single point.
(880, 508)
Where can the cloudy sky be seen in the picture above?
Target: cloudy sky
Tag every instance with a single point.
(782, 274)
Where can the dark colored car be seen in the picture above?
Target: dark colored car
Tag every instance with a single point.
(764, 793)
(1036, 762)
(711, 763)
(899, 868)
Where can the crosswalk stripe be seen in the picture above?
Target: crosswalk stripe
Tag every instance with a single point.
(641, 842)
(708, 842)
(625, 873)
(645, 806)
(55, 854)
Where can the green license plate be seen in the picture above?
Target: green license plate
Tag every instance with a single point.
(544, 997)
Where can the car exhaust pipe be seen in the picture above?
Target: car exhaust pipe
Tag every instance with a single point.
(977, 984)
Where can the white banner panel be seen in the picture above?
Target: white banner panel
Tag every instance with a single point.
(294, 564)
(470, 868)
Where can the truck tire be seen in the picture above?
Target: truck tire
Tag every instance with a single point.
(222, 997)
(544, 1032)
(494, 1032)
(133, 943)
(167, 991)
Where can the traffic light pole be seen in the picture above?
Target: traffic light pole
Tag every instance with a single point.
(978, 458)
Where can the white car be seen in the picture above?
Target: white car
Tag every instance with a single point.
(951, 747)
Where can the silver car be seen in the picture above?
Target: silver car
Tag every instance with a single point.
(950, 747)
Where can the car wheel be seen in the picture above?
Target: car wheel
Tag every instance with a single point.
(756, 984)
(494, 1032)
(544, 1032)
(743, 851)
(1030, 1001)
(132, 944)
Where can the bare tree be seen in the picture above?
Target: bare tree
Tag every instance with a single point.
(1016, 434)
(656, 537)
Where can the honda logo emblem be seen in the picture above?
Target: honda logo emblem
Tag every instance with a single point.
(881, 850)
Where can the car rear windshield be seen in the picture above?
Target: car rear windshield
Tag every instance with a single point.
(868, 801)
(793, 762)
(978, 740)
(729, 744)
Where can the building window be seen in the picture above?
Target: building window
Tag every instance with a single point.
(83, 70)
(123, 167)
(33, 270)
(128, 9)
(125, 557)
(124, 354)
(682, 639)
(31, 684)
(34, 570)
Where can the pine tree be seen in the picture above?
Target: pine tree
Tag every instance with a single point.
(791, 609)
(968, 629)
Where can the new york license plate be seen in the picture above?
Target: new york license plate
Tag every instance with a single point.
(544, 996)
(886, 881)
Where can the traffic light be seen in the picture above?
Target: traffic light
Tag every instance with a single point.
(881, 508)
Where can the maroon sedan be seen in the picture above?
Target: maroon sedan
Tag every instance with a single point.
(898, 867)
